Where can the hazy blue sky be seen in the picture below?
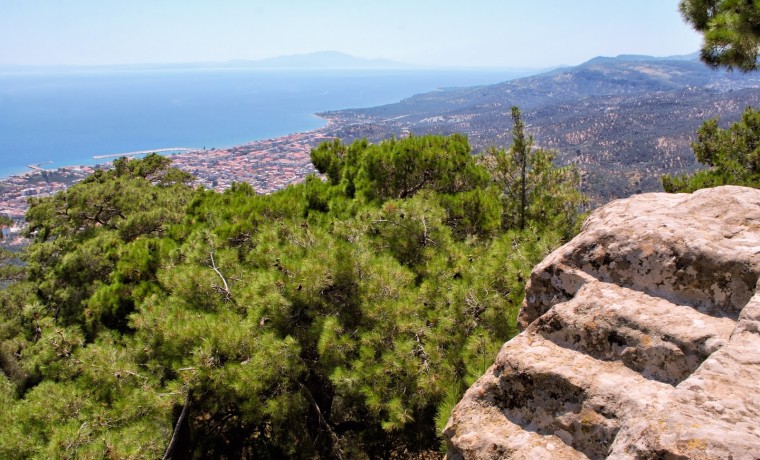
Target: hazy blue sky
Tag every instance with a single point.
(514, 33)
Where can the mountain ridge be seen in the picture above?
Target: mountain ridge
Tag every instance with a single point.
(316, 60)
(327, 59)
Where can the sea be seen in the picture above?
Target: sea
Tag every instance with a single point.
(65, 118)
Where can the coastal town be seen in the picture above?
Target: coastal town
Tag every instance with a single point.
(267, 165)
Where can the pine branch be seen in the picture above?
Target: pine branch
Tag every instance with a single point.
(226, 288)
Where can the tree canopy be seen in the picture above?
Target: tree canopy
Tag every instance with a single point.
(337, 318)
(731, 30)
(732, 156)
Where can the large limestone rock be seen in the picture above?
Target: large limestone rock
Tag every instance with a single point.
(641, 340)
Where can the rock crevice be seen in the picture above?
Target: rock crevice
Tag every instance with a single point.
(641, 339)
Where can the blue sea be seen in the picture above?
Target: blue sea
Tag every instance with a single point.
(68, 117)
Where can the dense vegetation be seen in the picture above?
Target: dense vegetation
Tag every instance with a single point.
(732, 156)
(338, 318)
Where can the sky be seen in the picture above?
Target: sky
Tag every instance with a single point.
(472, 33)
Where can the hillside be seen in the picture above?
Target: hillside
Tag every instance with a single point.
(625, 121)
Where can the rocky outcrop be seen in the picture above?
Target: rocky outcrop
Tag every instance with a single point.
(641, 340)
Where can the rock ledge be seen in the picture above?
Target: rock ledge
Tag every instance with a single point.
(641, 340)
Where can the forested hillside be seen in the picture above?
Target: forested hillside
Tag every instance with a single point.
(622, 121)
(339, 318)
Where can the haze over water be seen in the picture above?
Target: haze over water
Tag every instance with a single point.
(69, 117)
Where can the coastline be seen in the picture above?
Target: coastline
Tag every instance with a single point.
(267, 165)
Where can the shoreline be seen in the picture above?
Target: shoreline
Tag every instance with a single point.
(32, 169)
(179, 151)
(267, 165)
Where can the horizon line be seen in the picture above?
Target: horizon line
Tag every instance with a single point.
(361, 63)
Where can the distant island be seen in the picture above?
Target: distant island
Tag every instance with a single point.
(320, 60)
(323, 60)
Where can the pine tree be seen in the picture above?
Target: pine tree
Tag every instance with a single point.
(533, 190)
(732, 156)
(731, 30)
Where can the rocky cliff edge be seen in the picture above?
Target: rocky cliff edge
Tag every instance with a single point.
(641, 340)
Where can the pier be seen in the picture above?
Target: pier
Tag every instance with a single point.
(144, 152)
(38, 166)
